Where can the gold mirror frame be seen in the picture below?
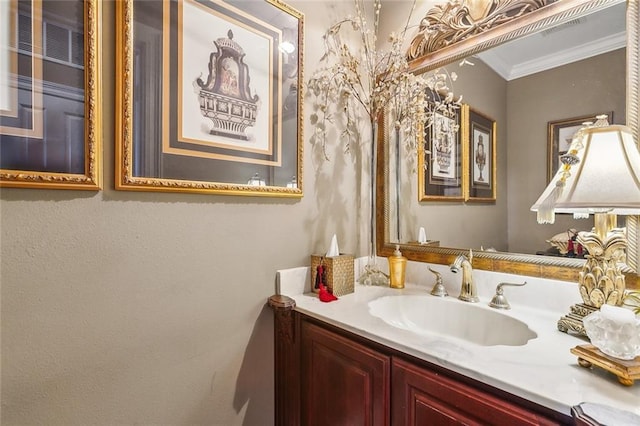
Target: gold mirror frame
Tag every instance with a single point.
(564, 269)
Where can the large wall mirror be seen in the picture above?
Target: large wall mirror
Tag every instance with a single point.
(533, 75)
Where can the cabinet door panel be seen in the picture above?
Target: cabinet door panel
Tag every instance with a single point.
(343, 382)
(424, 397)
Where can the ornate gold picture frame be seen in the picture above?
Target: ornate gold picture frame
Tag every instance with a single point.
(441, 160)
(50, 95)
(209, 97)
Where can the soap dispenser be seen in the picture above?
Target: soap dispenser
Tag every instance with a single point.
(397, 268)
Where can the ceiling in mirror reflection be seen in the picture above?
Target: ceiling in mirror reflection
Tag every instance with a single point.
(577, 39)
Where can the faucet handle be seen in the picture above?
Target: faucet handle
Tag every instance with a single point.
(499, 301)
(438, 289)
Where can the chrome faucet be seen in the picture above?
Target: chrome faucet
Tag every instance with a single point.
(468, 291)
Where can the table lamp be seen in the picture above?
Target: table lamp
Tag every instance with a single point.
(600, 175)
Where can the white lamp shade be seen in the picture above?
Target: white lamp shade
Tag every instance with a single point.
(606, 178)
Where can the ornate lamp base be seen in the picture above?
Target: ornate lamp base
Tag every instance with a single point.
(601, 279)
(627, 371)
(573, 320)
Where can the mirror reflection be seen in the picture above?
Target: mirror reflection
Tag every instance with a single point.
(573, 70)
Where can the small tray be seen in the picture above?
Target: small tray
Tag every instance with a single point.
(626, 370)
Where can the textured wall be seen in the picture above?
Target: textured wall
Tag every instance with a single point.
(149, 308)
(471, 224)
(589, 86)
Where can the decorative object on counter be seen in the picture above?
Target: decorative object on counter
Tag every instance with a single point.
(334, 271)
(397, 268)
(456, 20)
(615, 331)
(357, 88)
(324, 295)
(600, 175)
(499, 300)
(468, 292)
(566, 243)
(438, 289)
(627, 371)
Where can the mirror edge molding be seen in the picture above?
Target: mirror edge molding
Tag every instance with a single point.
(563, 269)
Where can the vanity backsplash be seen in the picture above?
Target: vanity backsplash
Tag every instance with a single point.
(538, 293)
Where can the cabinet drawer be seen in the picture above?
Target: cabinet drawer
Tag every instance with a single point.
(424, 397)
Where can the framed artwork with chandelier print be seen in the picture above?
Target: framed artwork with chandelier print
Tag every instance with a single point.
(50, 94)
(440, 159)
(480, 139)
(209, 97)
(560, 133)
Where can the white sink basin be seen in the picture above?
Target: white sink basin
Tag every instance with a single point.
(453, 318)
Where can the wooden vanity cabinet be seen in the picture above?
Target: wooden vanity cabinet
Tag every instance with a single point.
(343, 382)
(424, 397)
(327, 376)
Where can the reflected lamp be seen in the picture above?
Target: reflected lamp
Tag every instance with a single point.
(599, 175)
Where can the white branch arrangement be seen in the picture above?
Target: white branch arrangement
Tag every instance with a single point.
(352, 84)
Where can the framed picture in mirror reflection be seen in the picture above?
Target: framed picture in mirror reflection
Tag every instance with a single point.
(440, 159)
(480, 139)
(560, 134)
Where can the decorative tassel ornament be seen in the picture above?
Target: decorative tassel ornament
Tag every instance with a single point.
(546, 212)
(325, 296)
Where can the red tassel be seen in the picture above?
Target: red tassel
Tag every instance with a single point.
(325, 296)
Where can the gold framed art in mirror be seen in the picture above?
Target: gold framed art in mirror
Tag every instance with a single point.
(479, 135)
(561, 268)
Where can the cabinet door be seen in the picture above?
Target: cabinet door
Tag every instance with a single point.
(423, 397)
(343, 382)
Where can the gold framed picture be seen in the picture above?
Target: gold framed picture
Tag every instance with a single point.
(50, 94)
(209, 97)
(440, 159)
(560, 133)
(480, 139)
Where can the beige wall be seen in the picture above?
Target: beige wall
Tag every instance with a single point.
(522, 108)
(581, 88)
(149, 308)
(471, 224)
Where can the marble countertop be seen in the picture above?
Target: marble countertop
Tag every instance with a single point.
(543, 370)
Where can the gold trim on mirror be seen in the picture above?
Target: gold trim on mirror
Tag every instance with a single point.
(457, 21)
(565, 269)
(633, 121)
(546, 17)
